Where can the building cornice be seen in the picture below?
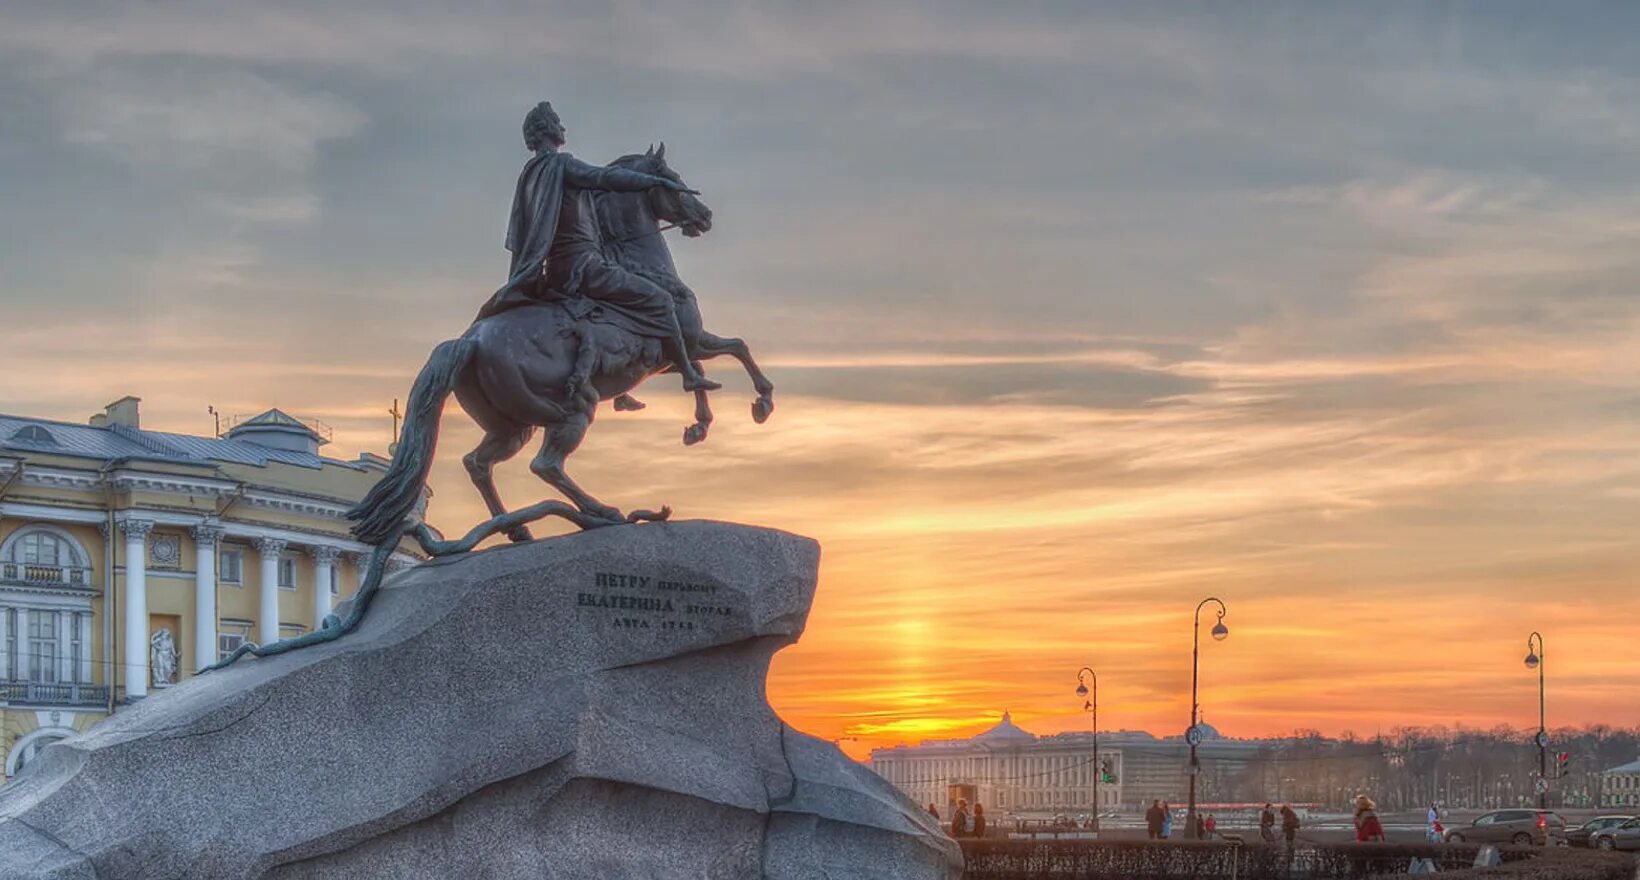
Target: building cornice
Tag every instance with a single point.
(129, 480)
(47, 477)
(19, 588)
(291, 503)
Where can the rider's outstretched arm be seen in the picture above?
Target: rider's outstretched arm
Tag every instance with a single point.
(585, 176)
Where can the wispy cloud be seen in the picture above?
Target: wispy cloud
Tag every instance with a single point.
(1077, 313)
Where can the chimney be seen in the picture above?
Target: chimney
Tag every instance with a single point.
(120, 412)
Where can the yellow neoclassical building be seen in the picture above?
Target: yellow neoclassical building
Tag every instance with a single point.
(130, 558)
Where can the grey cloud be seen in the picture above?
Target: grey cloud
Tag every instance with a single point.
(1058, 384)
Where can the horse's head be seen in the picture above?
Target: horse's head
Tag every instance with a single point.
(687, 211)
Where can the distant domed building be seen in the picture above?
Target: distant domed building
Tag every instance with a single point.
(1013, 771)
(130, 558)
(1005, 733)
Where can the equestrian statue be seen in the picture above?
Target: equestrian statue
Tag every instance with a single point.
(592, 307)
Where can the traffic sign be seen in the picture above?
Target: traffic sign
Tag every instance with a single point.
(1542, 785)
(1543, 739)
(1193, 735)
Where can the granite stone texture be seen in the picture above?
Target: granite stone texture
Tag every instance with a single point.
(585, 706)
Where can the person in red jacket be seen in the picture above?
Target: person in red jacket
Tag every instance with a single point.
(1367, 827)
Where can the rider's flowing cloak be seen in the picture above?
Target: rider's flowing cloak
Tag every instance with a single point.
(531, 230)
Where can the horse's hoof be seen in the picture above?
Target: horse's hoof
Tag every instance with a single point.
(761, 408)
(628, 403)
(694, 434)
(520, 535)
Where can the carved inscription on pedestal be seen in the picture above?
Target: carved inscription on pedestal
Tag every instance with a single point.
(638, 601)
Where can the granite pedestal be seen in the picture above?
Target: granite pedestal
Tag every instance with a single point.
(590, 706)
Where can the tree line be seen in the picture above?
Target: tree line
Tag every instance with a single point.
(1413, 767)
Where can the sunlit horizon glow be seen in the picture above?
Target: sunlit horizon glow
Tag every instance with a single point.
(1076, 317)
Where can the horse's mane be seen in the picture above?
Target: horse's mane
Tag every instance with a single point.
(635, 161)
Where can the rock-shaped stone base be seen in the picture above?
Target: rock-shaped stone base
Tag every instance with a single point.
(590, 706)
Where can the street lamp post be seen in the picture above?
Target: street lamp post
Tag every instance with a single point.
(1193, 734)
(1534, 660)
(1093, 706)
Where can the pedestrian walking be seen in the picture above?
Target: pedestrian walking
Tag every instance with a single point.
(978, 820)
(1367, 827)
(1167, 820)
(959, 819)
(1211, 826)
(1154, 820)
(1436, 832)
(1289, 824)
(1267, 824)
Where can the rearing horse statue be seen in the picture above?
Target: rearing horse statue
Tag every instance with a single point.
(546, 365)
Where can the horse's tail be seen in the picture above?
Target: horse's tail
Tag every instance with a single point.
(392, 499)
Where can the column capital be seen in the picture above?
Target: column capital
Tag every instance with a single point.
(136, 529)
(325, 555)
(207, 534)
(271, 546)
(360, 560)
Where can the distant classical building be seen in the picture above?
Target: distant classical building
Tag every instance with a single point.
(1620, 786)
(130, 558)
(1011, 770)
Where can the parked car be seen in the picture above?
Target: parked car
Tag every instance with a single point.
(1519, 827)
(1582, 834)
(1624, 836)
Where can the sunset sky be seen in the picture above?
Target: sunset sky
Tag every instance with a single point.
(1078, 313)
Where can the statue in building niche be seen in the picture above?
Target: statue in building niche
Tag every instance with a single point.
(592, 306)
(163, 658)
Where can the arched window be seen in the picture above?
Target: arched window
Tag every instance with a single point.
(43, 545)
(26, 748)
(40, 548)
(46, 555)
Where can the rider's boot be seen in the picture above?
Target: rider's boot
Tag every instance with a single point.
(693, 379)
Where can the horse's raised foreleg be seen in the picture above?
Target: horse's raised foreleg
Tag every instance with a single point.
(703, 418)
(710, 346)
(561, 440)
(497, 446)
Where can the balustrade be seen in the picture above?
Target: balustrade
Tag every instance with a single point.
(52, 693)
(45, 575)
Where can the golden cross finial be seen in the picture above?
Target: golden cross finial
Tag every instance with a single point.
(394, 412)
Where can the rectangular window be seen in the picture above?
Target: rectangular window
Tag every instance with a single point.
(287, 573)
(230, 634)
(334, 578)
(42, 646)
(230, 567)
(290, 630)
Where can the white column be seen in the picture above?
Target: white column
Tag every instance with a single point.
(6, 615)
(19, 648)
(324, 569)
(65, 645)
(205, 616)
(136, 606)
(85, 647)
(361, 567)
(268, 625)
